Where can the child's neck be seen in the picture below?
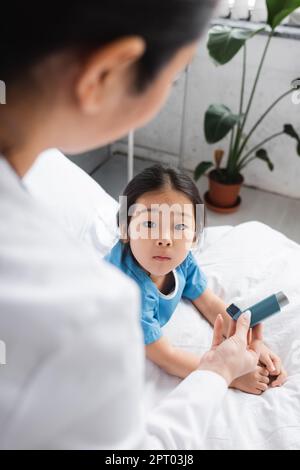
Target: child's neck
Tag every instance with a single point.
(163, 283)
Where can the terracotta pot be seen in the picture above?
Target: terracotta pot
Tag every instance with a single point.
(223, 194)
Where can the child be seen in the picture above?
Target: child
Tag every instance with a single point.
(158, 230)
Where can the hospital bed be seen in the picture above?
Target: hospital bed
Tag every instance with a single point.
(243, 264)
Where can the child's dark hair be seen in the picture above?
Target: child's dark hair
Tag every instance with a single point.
(32, 31)
(155, 178)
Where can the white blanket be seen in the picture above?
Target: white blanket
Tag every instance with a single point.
(245, 264)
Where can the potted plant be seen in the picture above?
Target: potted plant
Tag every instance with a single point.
(223, 44)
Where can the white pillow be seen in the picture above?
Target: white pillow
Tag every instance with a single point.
(80, 204)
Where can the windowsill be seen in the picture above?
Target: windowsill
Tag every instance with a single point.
(287, 31)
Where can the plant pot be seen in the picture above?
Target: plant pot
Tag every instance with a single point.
(224, 195)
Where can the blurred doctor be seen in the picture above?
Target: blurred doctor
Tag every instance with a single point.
(78, 76)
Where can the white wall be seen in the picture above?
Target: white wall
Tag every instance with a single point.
(209, 84)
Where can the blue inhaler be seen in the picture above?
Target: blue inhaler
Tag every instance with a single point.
(262, 310)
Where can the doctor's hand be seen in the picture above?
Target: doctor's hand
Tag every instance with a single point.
(233, 357)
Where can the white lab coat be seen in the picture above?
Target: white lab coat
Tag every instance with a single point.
(75, 355)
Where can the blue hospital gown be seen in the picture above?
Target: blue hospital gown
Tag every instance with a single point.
(157, 308)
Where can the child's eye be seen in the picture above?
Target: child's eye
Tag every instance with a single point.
(180, 227)
(149, 224)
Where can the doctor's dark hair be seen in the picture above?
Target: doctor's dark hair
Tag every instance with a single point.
(155, 178)
(31, 32)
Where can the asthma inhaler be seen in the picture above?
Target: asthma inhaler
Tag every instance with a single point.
(262, 310)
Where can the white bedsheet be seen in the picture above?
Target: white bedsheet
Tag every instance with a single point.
(244, 264)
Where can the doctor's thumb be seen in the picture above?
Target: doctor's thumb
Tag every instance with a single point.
(243, 326)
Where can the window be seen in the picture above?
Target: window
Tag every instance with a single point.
(251, 10)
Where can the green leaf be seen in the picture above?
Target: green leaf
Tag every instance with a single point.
(289, 130)
(201, 169)
(263, 155)
(278, 10)
(225, 42)
(219, 120)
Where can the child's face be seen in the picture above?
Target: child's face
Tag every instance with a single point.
(162, 230)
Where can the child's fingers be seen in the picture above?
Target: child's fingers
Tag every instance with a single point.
(262, 387)
(263, 379)
(277, 364)
(267, 360)
(257, 332)
(264, 371)
(280, 380)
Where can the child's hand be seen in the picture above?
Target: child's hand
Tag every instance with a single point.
(270, 360)
(273, 364)
(255, 383)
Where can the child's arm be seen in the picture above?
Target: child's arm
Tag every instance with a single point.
(210, 306)
(174, 361)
